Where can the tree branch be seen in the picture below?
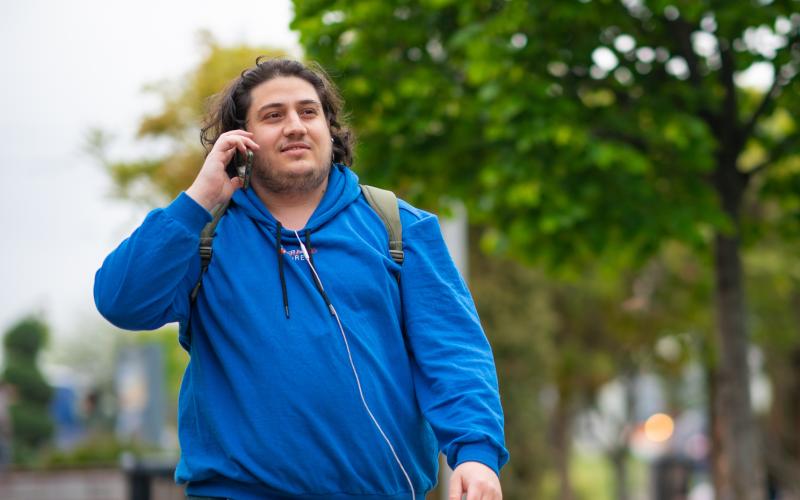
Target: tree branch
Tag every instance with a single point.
(683, 39)
(776, 153)
(781, 80)
(636, 142)
(762, 107)
(728, 134)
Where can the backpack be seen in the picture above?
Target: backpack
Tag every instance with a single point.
(384, 203)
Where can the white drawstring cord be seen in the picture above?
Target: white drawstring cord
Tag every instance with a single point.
(355, 373)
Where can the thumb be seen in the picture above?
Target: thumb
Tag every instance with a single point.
(456, 489)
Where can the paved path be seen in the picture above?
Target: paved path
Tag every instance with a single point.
(95, 484)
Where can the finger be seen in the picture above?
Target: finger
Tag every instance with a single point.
(237, 131)
(237, 183)
(226, 155)
(230, 142)
(478, 489)
(491, 492)
(474, 492)
(246, 143)
(229, 148)
(228, 139)
(242, 143)
(244, 134)
(455, 489)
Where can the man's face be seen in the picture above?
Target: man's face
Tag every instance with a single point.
(287, 121)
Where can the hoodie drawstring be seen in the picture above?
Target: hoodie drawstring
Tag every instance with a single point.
(308, 246)
(317, 283)
(279, 250)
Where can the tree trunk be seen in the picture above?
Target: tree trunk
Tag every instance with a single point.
(741, 459)
(562, 444)
(782, 448)
(621, 449)
(720, 472)
(619, 459)
(741, 450)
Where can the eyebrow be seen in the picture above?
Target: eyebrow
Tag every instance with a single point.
(303, 102)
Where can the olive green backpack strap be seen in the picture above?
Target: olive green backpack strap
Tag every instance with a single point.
(385, 205)
(206, 240)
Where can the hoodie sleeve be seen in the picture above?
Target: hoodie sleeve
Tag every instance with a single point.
(454, 376)
(146, 281)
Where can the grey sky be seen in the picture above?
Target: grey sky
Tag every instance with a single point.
(70, 66)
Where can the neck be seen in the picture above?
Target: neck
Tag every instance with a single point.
(292, 209)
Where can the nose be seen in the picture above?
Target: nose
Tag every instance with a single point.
(294, 125)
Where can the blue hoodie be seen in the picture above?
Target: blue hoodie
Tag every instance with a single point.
(269, 406)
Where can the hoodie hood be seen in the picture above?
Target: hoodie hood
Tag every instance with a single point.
(342, 190)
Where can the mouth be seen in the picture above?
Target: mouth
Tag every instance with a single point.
(294, 147)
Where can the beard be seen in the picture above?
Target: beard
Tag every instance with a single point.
(289, 182)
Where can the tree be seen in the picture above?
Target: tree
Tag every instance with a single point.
(580, 130)
(31, 424)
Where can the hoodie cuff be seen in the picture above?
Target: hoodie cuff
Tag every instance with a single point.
(478, 453)
(188, 213)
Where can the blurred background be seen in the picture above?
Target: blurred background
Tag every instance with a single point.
(620, 181)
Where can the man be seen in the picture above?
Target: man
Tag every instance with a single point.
(319, 367)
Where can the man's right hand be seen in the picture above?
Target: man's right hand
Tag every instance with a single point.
(212, 185)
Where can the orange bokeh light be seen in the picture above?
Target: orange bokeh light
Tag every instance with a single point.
(659, 427)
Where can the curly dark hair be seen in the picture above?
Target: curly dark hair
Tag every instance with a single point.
(228, 109)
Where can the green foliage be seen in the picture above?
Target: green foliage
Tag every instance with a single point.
(32, 427)
(571, 128)
(30, 418)
(774, 278)
(101, 450)
(594, 479)
(27, 379)
(513, 304)
(26, 338)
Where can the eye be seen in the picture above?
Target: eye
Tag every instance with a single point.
(308, 112)
(272, 115)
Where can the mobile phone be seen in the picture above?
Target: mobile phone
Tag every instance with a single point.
(242, 166)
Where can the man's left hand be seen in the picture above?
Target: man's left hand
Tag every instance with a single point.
(475, 480)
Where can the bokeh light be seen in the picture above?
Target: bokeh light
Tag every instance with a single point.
(659, 427)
